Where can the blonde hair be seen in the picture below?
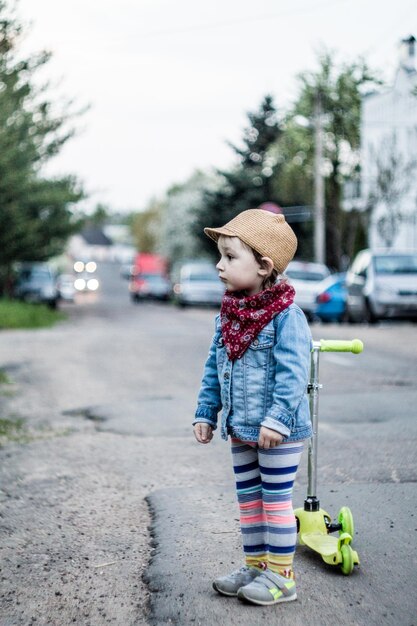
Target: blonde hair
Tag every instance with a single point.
(269, 281)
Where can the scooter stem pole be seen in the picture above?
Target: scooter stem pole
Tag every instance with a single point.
(314, 407)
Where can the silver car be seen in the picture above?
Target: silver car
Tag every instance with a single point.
(306, 278)
(199, 284)
(382, 285)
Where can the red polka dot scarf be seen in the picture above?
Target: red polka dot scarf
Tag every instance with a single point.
(243, 317)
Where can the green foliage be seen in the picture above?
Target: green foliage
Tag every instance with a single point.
(337, 90)
(16, 429)
(101, 215)
(15, 314)
(249, 183)
(354, 225)
(35, 212)
(4, 379)
(12, 430)
(183, 202)
(292, 181)
(146, 227)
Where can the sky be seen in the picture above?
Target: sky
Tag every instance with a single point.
(168, 84)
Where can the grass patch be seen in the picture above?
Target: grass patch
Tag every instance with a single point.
(15, 314)
(12, 430)
(15, 430)
(6, 385)
(4, 379)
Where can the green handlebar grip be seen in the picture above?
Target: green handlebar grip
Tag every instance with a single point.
(336, 345)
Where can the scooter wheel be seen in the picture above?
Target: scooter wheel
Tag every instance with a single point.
(346, 520)
(347, 559)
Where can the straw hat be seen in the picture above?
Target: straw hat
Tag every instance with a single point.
(266, 232)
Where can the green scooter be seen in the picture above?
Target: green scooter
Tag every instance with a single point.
(313, 523)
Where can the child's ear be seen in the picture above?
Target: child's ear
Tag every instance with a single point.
(267, 267)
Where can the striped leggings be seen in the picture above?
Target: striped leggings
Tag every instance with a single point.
(264, 484)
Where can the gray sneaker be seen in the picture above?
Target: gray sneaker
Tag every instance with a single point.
(268, 588)
(229, 585)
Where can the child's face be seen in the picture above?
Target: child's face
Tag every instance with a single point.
(238, 268)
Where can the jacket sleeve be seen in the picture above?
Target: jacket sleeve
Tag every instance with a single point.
(209, 398)
(292, 351)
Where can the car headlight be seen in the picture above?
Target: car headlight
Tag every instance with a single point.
(79, 284)
(79, 266)
(92, 284)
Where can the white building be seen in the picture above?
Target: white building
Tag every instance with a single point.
(389, 156)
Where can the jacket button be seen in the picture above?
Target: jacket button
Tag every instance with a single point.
(256, 342)
(226, 376)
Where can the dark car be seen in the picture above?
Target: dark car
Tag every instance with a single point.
(36, 282)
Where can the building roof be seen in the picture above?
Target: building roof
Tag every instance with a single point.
(94, 236)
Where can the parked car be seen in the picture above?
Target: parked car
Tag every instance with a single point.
(149, 277)
(86, 283)
(306, 278)
(36, 282)
(85, 266)
(198, 284)
(150, 286)
(149, 263)
(65, 286)
(382, 285)
(127, 271)
(85, 280)
(331, 299)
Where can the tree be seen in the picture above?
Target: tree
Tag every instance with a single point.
(339, 93)
(146, 227)
(293, 170)
(182, 205)
(248, 184)
(292, 180)
(100, 216)
(35, 211)
(393, 180)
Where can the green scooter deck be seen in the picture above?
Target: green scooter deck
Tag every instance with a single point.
(333, 550)
(323, 544)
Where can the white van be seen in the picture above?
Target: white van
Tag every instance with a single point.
(382, 285)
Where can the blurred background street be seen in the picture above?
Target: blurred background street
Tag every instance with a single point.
(106, 401)
(125, 130)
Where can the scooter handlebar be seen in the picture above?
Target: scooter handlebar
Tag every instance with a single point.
(338, 345)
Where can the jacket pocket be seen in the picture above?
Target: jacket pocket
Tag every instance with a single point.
(260, 350)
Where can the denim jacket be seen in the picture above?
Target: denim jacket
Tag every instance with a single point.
(267, 386)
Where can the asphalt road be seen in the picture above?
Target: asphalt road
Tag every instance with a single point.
(112, 514)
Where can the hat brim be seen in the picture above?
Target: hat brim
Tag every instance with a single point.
(214, 233)
(266, 233)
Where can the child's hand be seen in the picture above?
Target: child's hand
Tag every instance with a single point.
(269, 438)
(203, 432)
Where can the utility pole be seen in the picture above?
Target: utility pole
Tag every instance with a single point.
(319, 197)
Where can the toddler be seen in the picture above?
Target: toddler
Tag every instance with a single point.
(257, 373)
